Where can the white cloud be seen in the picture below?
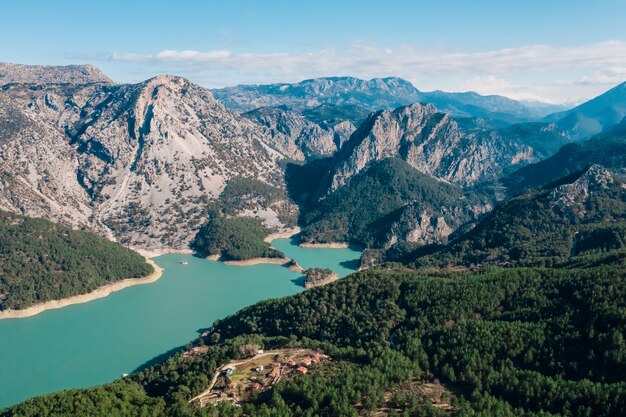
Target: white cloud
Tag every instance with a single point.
(530, 72)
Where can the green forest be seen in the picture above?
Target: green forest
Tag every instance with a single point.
(42, 261)
(522, 315)
(234, 238)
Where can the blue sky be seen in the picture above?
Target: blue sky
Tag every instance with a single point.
(554, 50)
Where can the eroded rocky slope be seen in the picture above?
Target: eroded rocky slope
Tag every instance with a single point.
(139, 162)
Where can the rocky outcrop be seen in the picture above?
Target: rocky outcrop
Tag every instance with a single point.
(570, 199)
(296, 137)
(431, 142)
(138, 161)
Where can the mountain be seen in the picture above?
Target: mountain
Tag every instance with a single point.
(386, 203)
(571, 221)
(594, 116)
(44, 74)
(608, 150)
(377, 94)
(472, 104)
(138, 162)
(42, 261)
(296, 136)
(373, 94)
(432, 142)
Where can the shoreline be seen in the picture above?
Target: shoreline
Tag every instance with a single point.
(98, 293)
(282, 235)
(148, 254)
(331, 245)
(258, 261)
(153, 253)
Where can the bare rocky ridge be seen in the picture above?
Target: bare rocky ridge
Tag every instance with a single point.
(138, 162)
(425, 226)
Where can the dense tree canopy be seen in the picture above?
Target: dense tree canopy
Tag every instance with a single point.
(234, 238)
(363, 210)
(42, 261)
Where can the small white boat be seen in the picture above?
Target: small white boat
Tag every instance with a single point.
(124, 375)
(184, 262)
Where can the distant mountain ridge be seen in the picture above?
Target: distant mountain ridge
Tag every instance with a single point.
(375, 94)
(45, 74)
(594, 116)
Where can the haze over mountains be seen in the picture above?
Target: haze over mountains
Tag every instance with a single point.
(141, 162)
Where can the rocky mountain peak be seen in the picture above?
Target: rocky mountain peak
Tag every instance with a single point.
(44, 74)
(139, 162)
(417, 133)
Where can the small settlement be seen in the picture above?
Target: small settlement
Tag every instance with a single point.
(238, 381)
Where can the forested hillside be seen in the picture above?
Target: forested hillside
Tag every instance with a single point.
(607, 150)
(370, 208)
(42, 261)
(576, 220)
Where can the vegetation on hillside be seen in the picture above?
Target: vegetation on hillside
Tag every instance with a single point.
(539, 228)
(363, 210)
(235, 238)
(42, 261)
(608, 151)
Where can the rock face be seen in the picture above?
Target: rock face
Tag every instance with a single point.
(139, 162)
(296, 136)
(40, 74)
(431, 142)
(425, 226)
(570, 199)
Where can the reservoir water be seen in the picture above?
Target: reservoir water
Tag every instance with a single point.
(94, 343)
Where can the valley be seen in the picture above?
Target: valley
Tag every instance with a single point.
(438, 253)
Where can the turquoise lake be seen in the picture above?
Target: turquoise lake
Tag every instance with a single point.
(94, 343)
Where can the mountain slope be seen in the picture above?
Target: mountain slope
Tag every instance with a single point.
(372, 94)
(385, 203)
(44, 74)
(375, 94)
(607, 150)
(431, 142)
(594, 116)
(297, 137)
(471, 104)
(581, 215)
(141, 160)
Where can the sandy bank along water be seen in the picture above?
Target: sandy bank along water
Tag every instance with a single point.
(330, 245)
